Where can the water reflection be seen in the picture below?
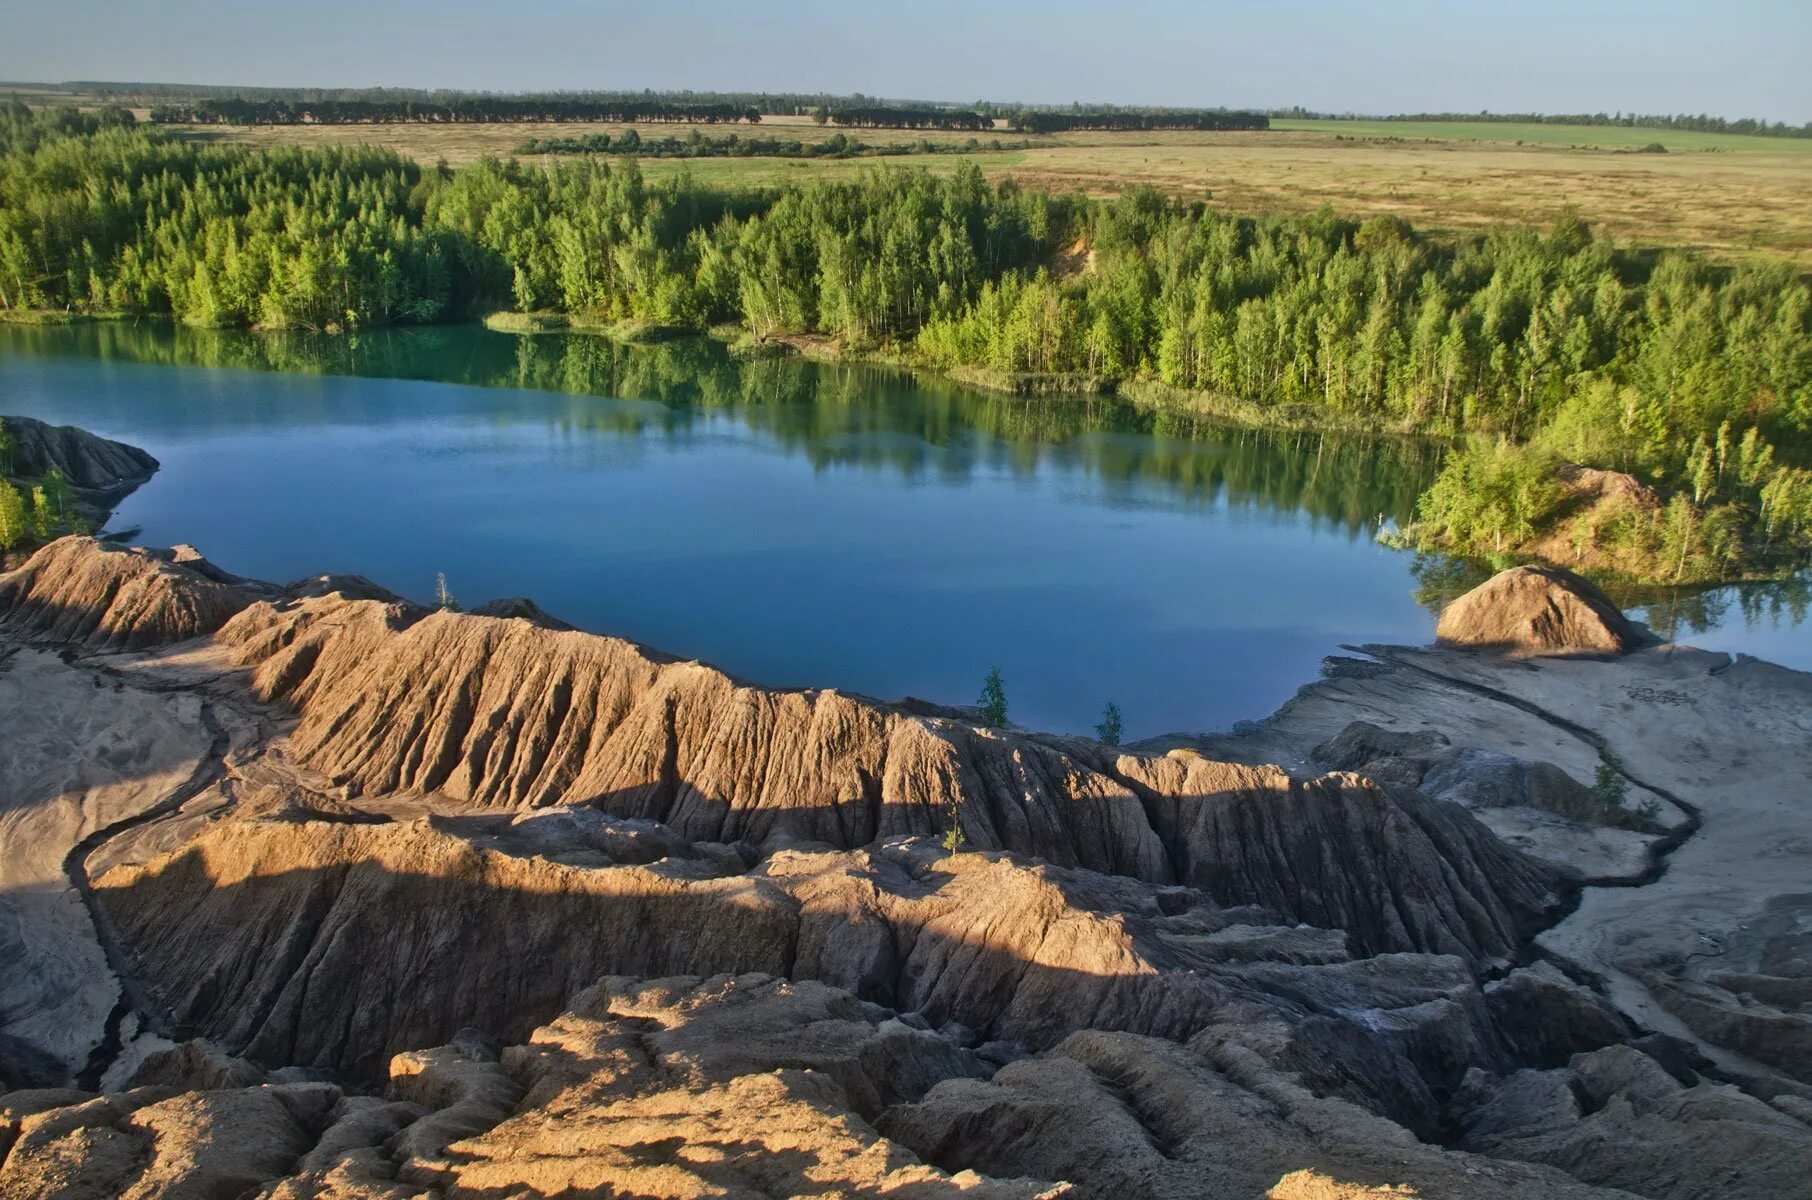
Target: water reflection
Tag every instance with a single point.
(796, 523)
(832, 414)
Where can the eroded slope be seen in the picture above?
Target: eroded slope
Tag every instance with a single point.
(1149, 974)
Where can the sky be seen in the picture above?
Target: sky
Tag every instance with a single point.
(1729, 57)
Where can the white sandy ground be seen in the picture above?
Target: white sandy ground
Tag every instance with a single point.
(1732, 740)
(77, 754)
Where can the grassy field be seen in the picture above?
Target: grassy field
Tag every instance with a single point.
(1729, 196)
(1606, 137)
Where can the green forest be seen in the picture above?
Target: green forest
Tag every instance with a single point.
(471, 109)
(173, 100)
(1039, 120)
(1541, 347)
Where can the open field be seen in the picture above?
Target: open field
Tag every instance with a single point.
(1726, 195)
(1608, 137)
(1727, 205)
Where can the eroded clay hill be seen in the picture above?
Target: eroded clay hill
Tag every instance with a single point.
(360, 848)
(78, 592)
(99, 471)
(85, 460)
(507, 714)
(339, 945)
(1536, 610)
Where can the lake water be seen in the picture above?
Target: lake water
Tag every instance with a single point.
(797, 524)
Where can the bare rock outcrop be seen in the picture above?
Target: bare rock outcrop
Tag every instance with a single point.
(1618, 1116)
(508, 714)
(155, 1144)
(1751, 991)
(520, 607)
(340, 945)
(1141, 1118)
(198, 1066)
(733, 1082)
(746, 1085)
(78, 591)
(86, 460)
(98, 473)
(682, 1088)
(76, 760)
(1326, 850)
(1475, 778)
(1537, 610)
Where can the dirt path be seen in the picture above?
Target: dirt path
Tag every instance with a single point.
(134, 996)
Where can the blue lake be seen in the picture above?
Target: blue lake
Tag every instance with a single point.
(797, 524)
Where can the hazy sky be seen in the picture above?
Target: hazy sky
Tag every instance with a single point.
(1731, 57)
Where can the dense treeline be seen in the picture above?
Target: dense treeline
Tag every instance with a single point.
(118, 219)
(24, 129)
(875, 116)
(396, 106)
(479, 108)
(474, 109)
(1699, 123)
(178, 96)
(1129, 120)
(1694, 378)
(775, 103)
(697, 145)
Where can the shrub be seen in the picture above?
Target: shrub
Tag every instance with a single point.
(1610, 787)
(1110, 729)
(993, 699)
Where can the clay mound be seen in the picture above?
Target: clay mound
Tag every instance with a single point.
(1537, 610)
(84, 459)
(78, 591)
(1594, 485)
(510, 715)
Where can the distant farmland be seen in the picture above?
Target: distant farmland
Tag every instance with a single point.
(1727, 195)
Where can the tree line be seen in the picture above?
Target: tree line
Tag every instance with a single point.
(698, 145)
(1556, 341)
(876, 116)
(1131, 120)
(481, 108)
(1696, 123)
(390, 106)
(177, 96)
(475, 109)
(776, 103)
